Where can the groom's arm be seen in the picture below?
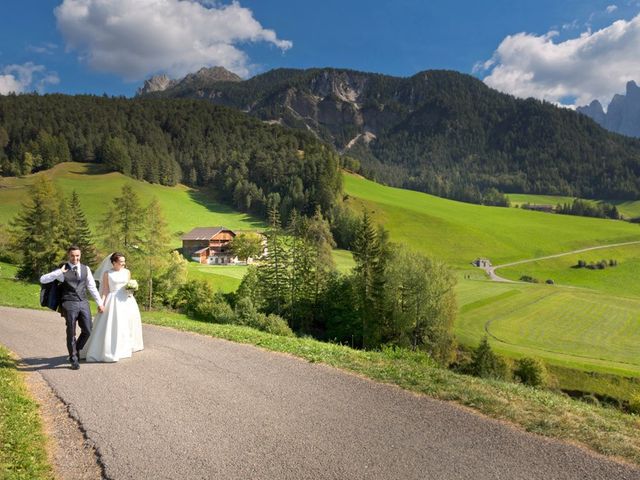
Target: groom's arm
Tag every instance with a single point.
(91, 286)
(57, 274)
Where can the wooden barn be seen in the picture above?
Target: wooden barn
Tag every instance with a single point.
(209, 245)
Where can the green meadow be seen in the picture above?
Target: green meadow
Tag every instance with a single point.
(460, 232)
(184, 208)
(569, 327)
(621, 280)
(628, 208)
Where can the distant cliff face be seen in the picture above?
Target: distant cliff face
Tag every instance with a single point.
(623, 114)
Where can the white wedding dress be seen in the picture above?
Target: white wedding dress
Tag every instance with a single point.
(117, 332)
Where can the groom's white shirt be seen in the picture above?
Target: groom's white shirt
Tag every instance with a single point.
(59, 275)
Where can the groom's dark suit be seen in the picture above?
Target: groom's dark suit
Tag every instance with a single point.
(75, 282)
(75, 308)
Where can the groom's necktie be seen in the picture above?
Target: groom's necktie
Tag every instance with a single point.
(75, 270)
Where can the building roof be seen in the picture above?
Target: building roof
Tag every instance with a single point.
(204, 233)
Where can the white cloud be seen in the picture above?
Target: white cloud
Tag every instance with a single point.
(594, 65)
(26, 77)
(134, 38)
(612, 8)
(46, 48)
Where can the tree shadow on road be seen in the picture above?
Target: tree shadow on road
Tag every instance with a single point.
(35, 364)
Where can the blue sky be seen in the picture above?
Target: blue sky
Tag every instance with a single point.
(563, 51)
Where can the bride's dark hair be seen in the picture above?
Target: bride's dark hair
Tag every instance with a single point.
(115, 256)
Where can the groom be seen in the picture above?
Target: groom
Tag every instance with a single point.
(76, 279)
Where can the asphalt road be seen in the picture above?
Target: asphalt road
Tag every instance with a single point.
(193, 407)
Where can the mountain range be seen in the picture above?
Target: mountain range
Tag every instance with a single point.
(442, 132)
(622, 115)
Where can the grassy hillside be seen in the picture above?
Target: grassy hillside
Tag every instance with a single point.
(459, 232)
(184, 208)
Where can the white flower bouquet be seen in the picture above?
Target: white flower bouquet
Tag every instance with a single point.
(131, 286)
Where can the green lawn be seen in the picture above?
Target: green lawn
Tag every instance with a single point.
(221, 277)
(459, 232)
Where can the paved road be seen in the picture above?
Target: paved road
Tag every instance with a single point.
(193, 407)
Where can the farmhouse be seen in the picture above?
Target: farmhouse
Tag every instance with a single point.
(209, 245)
(481, 262)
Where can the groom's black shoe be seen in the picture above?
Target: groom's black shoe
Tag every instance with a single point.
(75, 365)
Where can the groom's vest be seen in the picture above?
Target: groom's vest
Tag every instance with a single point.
(74, 289)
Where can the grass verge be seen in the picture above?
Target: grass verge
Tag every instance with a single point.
(22, 441)
(604, 430)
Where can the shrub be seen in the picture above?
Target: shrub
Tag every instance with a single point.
(275, 324)
(193, 297)
(196, 299)
(531, 371)
(634, 403)
(549, 281)
(487, 364)
(246, 314)
(528, 278)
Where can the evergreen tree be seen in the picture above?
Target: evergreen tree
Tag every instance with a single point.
(367, 254)
(273, 271)
(126, 221)
(153, 249)
(36, 231)
(79, 232)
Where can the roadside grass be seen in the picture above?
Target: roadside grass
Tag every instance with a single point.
(605, 430)
(621, 280)
(23, 453)
(606, 387)
(459, 232)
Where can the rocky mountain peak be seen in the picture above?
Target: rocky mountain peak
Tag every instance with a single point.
(632, 89)
(213, 74)
(623, 112)
(157, 83)
(160, 83)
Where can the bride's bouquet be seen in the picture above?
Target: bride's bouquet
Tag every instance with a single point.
(131, 286)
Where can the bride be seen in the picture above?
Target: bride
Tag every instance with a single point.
(117, 332)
